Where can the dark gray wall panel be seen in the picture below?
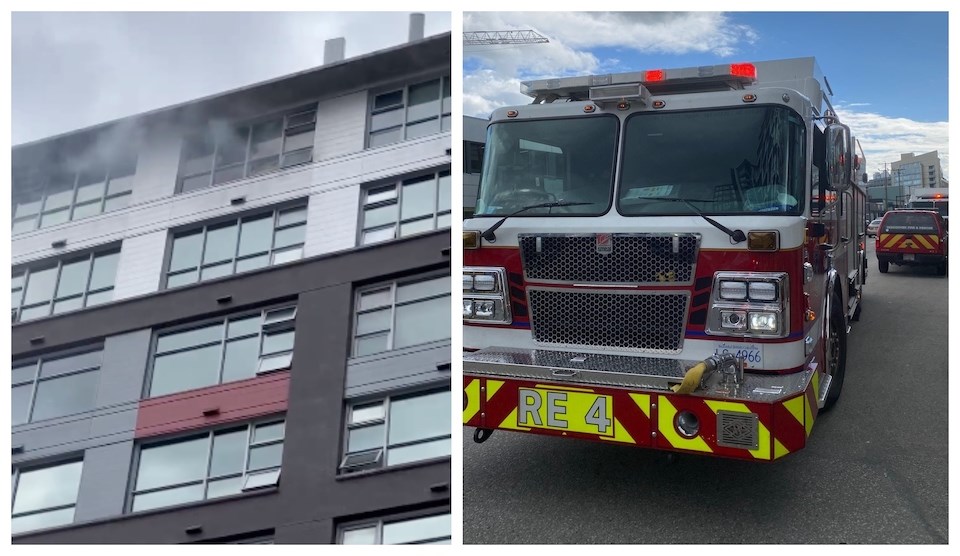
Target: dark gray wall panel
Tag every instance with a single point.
(124, 366)
(398, 369)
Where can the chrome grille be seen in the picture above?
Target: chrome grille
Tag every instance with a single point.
(639, 321)
(737, 430)
(633, 258)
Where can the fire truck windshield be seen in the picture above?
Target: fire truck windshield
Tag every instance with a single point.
(567, 161)
(732, 161)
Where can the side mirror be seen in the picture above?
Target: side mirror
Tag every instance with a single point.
(839, 162)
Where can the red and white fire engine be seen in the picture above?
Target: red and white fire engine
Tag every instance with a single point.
(667, 258)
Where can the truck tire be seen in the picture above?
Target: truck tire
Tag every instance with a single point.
(835, 351)
(883, 266)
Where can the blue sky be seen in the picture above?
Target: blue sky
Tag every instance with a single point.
(888, 70)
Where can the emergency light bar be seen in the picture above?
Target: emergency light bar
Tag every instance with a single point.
(620, 92)
(732, 76)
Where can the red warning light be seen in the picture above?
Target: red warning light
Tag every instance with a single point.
(743, 70)
(653, 75)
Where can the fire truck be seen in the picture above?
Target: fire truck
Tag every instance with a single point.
(668, 258)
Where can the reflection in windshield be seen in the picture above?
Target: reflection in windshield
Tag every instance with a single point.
(742, 160)
(547, 161)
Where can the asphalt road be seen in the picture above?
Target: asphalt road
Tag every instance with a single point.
(873, 471)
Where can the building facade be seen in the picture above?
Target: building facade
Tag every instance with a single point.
(474, 137)
(231, 316)
(922, 170)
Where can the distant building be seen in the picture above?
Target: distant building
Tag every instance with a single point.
(921, 170)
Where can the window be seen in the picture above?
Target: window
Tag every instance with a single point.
(406, 207)
(402, 314)
(434, 529)
(238, 245)
(397, 430)
(42, 200)
(228, 349)
(49, 388)
(44, 497)
(64, 285)
(472, 157)
(215, 464)
(410, 112)
(226, 153)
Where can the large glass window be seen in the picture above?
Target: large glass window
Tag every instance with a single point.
(44, 497)
(54, 197)
(532, 162)
(727, 161)
(402, 314)
(225, 350)
(235, 246)
(397, 430)
(406, 207)
(410, 112)
(226, 153)
(434, 529)
(217, 463)
(54, 387)
(64, 285)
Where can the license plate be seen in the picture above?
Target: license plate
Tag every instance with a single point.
(752, 353)
(565, 410)
(908, 256)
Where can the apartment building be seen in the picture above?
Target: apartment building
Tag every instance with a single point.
(231, 316)
(474, 137)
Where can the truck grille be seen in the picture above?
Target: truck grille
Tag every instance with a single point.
(632, 258)
(639, 321)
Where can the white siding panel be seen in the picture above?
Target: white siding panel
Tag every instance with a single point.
(141, 260)
(332, 220)
(341, 126)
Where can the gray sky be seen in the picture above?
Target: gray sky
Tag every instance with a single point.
(72, 70)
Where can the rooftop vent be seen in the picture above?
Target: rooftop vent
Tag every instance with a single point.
(416, 27)
(333, 50)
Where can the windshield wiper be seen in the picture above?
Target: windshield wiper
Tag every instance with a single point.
(492, 238)
(736, 236)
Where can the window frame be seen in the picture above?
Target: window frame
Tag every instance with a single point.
(399, 184)
(43, 265)
(289, 324)
(445, 109)
(380, 522)
(209, 434)
(37, 363)
(393, 285)
(206, 133)
(18, 470)
(380, 463)
(237, 221)
(110, 167)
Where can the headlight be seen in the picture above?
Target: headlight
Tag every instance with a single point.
(486, 296)
(749, 304)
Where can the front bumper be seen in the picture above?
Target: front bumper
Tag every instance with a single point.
(918, 258)
(764, 417)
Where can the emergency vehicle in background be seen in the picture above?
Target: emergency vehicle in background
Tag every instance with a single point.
(665, 258)
(934, 198)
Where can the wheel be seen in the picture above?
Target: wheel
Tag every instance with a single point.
(942, 269)
(835, 351)
(883, 266)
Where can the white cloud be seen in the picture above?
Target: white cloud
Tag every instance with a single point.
(571, 36)
(885, 138)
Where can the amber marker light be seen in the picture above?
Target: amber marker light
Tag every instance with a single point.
(763, 241)
(512, 113)
(589, 108)
(749, 97)
(471, 239)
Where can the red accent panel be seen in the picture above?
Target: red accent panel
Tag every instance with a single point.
(790, 432)
(508, 258)
(237, 401)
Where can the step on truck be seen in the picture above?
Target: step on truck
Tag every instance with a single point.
(668, 258)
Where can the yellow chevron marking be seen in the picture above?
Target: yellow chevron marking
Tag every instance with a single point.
(934, 239)
(816, 383)
(924, 241)
(778, 449)
(795, 407)
(763, 442)
(908, 243)
(643, 401)
(555, 387)
(473, 400)
(807, 414)
(894, 239)
(511, 422)
(620, 434)
(492, 387)
(665, 417)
